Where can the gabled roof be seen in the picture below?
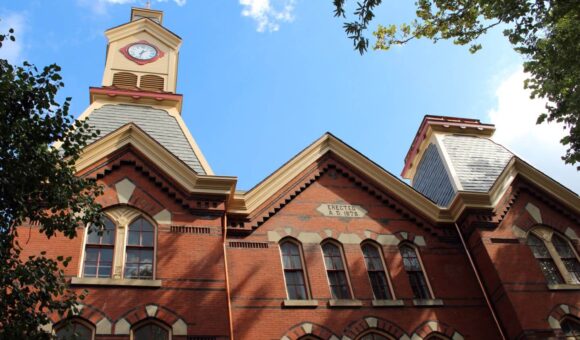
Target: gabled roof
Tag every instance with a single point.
(144, 24)
(244, 203)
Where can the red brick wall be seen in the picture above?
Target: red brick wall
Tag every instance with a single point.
(510, 271)
(258, 287)
(191, 266)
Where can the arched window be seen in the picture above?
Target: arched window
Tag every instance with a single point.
(336, 272)
(414, 270)
(558, 260)
(100, 244)
(374, 336)
(74, 329)
(571, 327)
(376, 270)
(151, 330)
(436, 336)
(293, 271)
(140, 249)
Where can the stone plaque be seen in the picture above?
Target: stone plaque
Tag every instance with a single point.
(341, 210)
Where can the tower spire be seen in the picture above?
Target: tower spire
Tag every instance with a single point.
(148, 4)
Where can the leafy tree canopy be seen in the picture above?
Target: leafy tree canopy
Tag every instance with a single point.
(545, 32)
(38, 189)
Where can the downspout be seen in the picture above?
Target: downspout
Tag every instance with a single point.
(480, 282)
(228, 293)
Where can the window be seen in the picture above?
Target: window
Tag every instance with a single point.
(558, 260)
(99, 250)
(412, 265)
(571, 327)
(140, 247)
(151, 331)
(293, 271)
(335, 270)
(376, 271)
(130, 235)
(74, 329)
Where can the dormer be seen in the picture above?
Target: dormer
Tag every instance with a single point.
(450, 154)
(142, 54)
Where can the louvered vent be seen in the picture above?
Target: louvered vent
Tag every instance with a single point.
(151, 82)
(184, 229)
(125, 79)
(251, 245)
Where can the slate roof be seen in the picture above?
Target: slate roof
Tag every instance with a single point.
(155, 122)
(477, 161)
(432, 179)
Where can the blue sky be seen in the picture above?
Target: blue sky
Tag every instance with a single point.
(262, 79)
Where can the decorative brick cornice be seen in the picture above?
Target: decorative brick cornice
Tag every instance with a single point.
(129, 157)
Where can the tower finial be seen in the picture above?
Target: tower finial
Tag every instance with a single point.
(148, 4)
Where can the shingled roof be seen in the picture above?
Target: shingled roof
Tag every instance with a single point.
(159, 124)
(477, 161)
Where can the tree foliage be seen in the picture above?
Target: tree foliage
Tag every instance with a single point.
(545, 32)
(38, 188)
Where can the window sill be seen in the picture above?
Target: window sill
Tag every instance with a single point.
(345, 303)
(388, 303)
(564, 287)
(93, 281)
(428, 302)
(300, 303)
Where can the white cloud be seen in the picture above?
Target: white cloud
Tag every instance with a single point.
(515, 121)
(12, 50)
(268, 14)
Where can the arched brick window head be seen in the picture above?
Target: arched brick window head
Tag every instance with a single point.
(293, 271)
(335, 270)
(571, 327)
(150, 331)
(374, 336)
(414, 270)
(99, 251)
(556, 257)
(376, 272)
(140, 249)
(74, 329)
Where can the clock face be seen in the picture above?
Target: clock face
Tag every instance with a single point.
(142, 51)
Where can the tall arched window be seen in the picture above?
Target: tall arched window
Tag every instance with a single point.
(100, 244)
(293, 271)
(151, 330)
(414, 270)
(376, 270)
(74, 329)
(140, 249)
(336, 272)
(571, 327)
(558, 260)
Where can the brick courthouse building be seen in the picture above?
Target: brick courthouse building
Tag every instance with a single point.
(330, 246)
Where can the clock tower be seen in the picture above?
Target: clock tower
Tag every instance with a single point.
(142, 54)
(138, 92)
